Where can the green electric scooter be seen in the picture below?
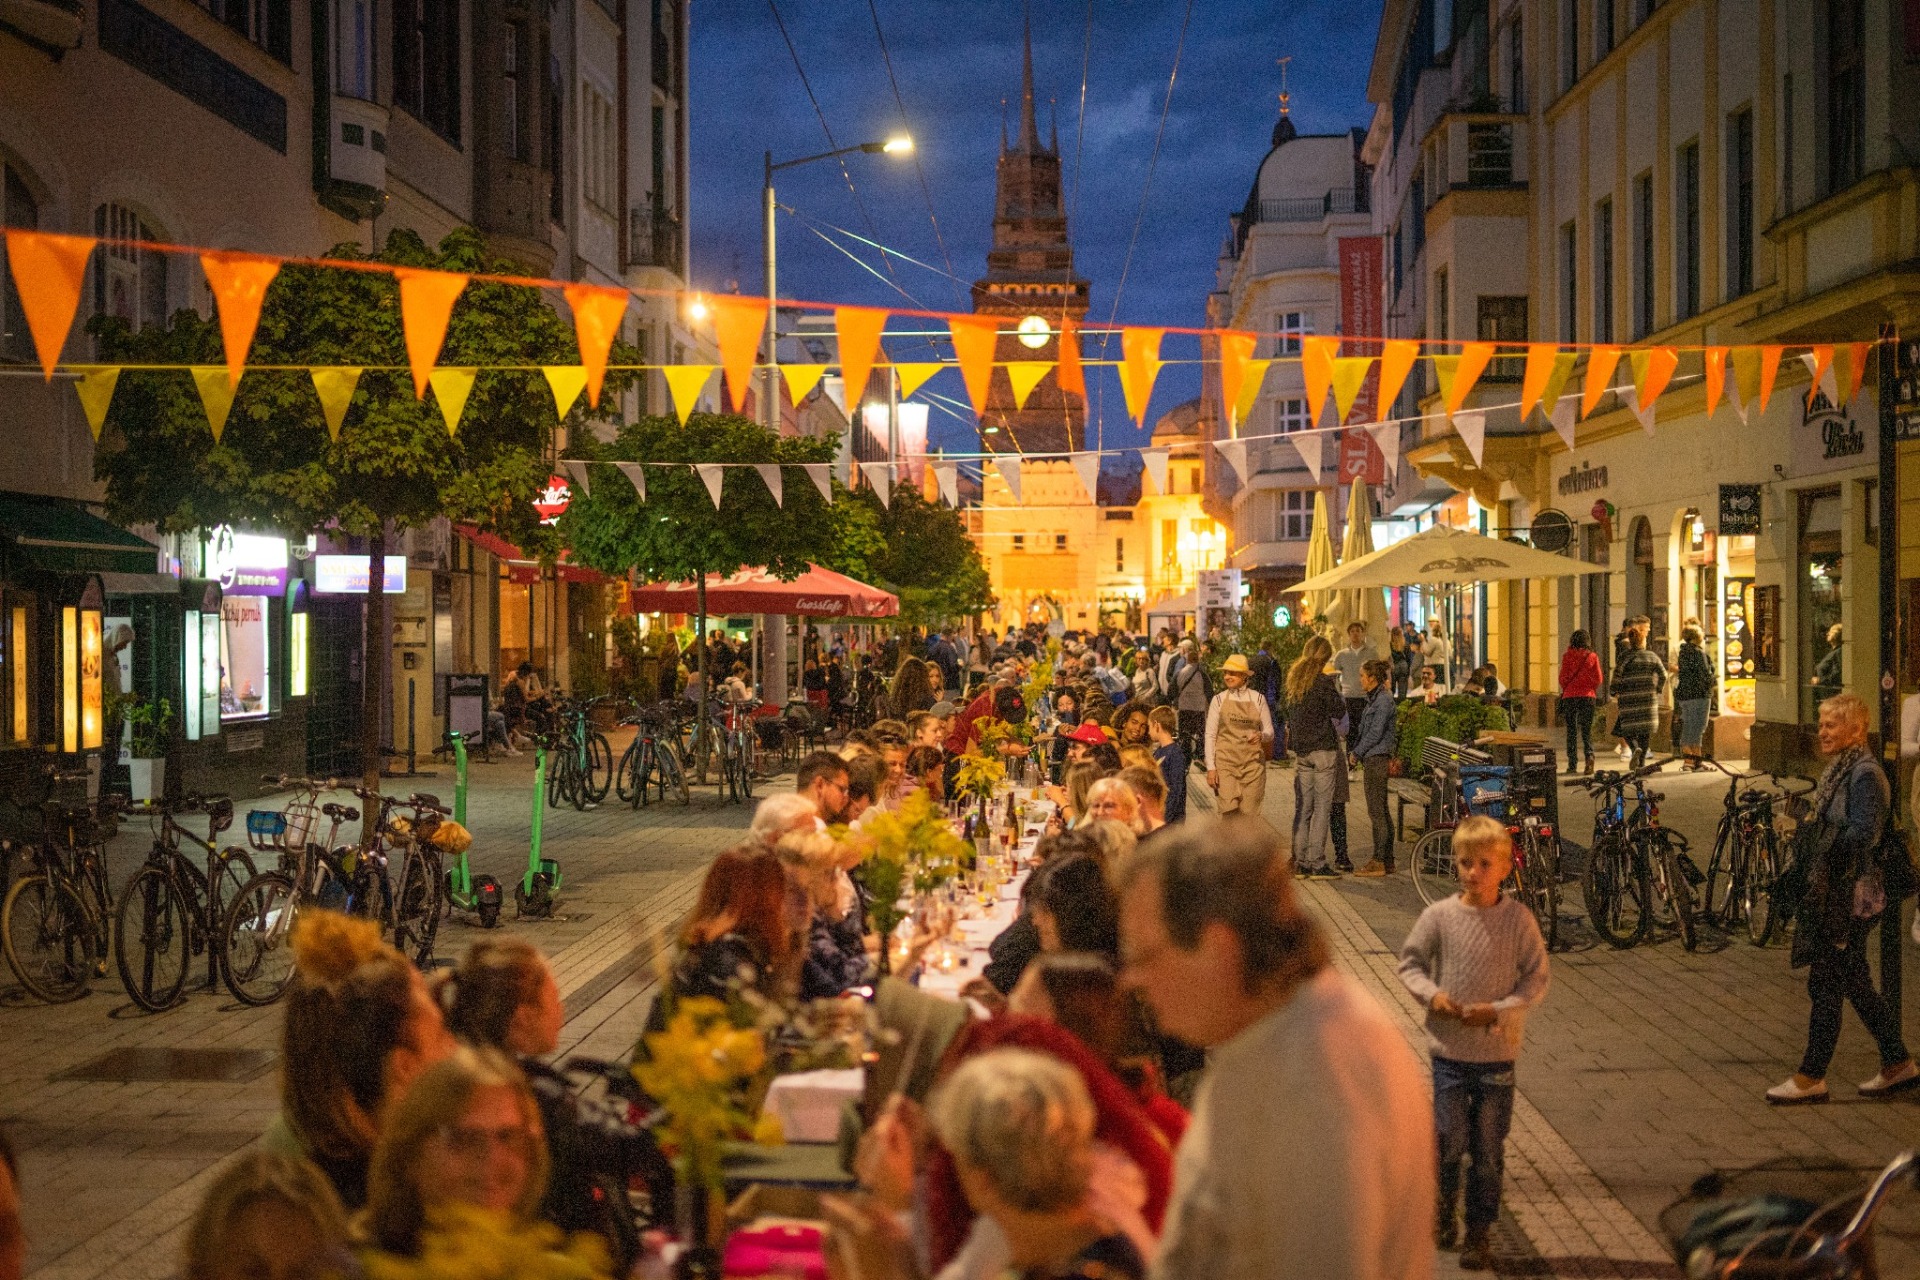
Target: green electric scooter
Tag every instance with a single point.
(480, 895)
(539, 886)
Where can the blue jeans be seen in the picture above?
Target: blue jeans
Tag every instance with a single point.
(1313, 782)
(1693, 721)
(1472, 1111)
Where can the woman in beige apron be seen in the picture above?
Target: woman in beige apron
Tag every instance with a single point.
(1239, 741)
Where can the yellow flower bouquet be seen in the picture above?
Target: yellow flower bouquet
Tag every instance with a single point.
(701, 1070)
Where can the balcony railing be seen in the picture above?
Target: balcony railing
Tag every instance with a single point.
(653, 239)
(1298, 209)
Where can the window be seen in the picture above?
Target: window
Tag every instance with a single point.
(1440, 301)
(552, 92)
(267, 23)
(1846, 132)
(1643, 9)
(1686, 240)
(18, 678)
(1291, 326)
(513, 110)
(1740, 203)
(1516, 67)
(1019, 542)
(1296, 515)
(353, 49)
(1569, 283)
(599, 151)
(1291, 415)
(1503, 320)
(244, 687)
(1786, 141)
(1060, 542)
(1569, 43)
(1603, 271)
(1602, 27)
(1642, 255)
(426, 63)
(1765, 626)
(1169, 545)
(18, 208)
(1119, 555)
(129, 281)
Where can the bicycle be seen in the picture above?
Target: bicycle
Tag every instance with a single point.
(413, 914)
(1431, 862)
(56, 920)
(1635, 866)
(1535, 878)
(738, 746)
(259, 925)
(579, 760)
(1779, 1234)
(1746, 862)
(172, 911)
(651, 760)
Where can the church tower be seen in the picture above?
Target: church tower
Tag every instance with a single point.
(1030, 282)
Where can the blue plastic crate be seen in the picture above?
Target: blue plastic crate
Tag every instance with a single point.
(1481, 780)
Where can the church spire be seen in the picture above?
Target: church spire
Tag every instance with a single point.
(1029, 129)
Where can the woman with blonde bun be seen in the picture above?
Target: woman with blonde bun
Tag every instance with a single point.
(361, 1026)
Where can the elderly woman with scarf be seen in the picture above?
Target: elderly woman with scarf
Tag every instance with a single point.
(1843, 889)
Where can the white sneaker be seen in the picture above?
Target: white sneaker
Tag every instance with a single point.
(1903, 1077)
(1788, 1093)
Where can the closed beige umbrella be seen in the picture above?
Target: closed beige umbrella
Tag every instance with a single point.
(1318, 602)
(1361, 603)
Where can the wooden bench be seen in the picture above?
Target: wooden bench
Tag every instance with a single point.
(1405, 792)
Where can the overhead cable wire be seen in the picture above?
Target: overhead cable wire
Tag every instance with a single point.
(872, 244)
(862, 263)
(919, 169)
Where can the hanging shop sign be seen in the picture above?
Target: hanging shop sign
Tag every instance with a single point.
(347, 576)
(552, 501)
(1830, 439)
(1739, 510)
(247, 564)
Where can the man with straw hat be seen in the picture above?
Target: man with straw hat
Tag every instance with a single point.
(1239, 740)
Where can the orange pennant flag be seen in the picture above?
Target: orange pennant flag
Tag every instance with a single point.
(48, 270)
(1715, 359)
(1070, 376)
(1769, 370)
(859, 331)
(239, 282)
(1533, 383)
(1652, 369)
(597, 312)
(1601, 362)
(1139, 366)
(1236, 349)
(739, 323)
(1856, 371)
(1474, 357)
(974, 339)
(1316, 366)
(426, 304)
(1396, 362)
(1822, 361)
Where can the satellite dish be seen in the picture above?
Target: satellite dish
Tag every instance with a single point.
(1552, 531)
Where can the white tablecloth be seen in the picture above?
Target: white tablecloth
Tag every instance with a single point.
(808, 1102)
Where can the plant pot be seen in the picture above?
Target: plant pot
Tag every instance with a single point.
(149, 779)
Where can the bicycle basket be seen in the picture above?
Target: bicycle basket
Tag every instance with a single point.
(1481, 780)
(452, 838)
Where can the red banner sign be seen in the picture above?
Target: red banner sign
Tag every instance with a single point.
(1360, 281)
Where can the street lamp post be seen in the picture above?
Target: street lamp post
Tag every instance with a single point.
(898, 145)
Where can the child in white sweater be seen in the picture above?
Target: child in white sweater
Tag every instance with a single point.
(1477, 962)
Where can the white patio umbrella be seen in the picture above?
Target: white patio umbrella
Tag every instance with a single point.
(1319, 560)
(1361, 603)
(1445, 557)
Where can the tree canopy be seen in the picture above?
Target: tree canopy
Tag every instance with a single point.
(929, 561)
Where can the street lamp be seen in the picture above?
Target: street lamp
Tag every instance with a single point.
(899, 144)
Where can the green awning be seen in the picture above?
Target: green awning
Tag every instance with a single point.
(59, 536)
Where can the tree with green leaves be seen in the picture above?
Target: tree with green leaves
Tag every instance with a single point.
(394, 466)
(928, 560)
(677, 534)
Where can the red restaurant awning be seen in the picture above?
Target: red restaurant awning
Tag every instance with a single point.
(521, 567)
(817, 593)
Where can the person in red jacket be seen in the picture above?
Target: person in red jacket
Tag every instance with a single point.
(1579, 686)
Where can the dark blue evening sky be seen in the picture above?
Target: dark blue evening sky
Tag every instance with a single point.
(955, 60)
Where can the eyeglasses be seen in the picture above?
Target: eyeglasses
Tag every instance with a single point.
(471, 1143)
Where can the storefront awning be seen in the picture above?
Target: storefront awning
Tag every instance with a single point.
(139, 584)
(523, 568)
(59, 536)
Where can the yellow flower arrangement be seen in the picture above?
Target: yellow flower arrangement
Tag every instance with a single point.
(1040, 680)
(979, 774)
(914, 840)
(699, 1070)
(464, 1242)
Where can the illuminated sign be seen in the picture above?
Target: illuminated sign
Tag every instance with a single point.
(247, 564)
(347, 576)
(552, 501)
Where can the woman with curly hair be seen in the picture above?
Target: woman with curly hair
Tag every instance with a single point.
(911, 690)
(361, 1026)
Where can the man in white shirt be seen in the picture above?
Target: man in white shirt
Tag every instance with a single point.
(1347, 663)
(1310, 1155)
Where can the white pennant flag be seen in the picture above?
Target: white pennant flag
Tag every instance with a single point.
(712, 473)
(1235, 452)
(947, 476)
(1387, 437)
(1473, 431)
(1155, 461)
(1312, 447)
(1645, 415)
(1564, 416)
(1010, 472)
(1087, 465)
(1733, 394)
(821, 473)
(636, 473)
(1829, 380)
(770, 472)
(880, 476)
(578, 470)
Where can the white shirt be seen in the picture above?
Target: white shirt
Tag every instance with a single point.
(1348, 663)
(1213, 715)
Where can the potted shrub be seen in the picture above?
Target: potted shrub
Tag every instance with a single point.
(150, 725)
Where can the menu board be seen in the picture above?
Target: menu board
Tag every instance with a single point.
(1738, 660)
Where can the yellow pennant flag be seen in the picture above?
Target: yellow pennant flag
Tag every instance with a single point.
(1396, 362)
(1349, 374)
(48, 272)
(1601, 362)
(566, 381)
(914, 376)
(1250, 389)
(1316, 366)
(1541, 357)
(1025, 375)
(334, 386)
(1714, 365)
(1445, 369)
(96, 394)
(1557, 380)
(801, 379)
(451, 387)
(686, 382)
(239, 283)
(216, 387)
(426, 304)
(1236, 349)
(1746, 379)
(1139, 366)
(1652, 369)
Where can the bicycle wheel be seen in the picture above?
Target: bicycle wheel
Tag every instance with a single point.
(1432, 862)
(416, 913)
(1617, 894)
(629, 774)
(596, 778)
(673, 774)
(1540, 885)
(1756, 892)
(1673, 891)
(152, 939)
(49, 938)
(745, 748)
(258, 939)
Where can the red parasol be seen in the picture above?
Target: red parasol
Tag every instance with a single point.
(817, 593)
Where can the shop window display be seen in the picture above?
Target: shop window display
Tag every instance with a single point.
(244, 686)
